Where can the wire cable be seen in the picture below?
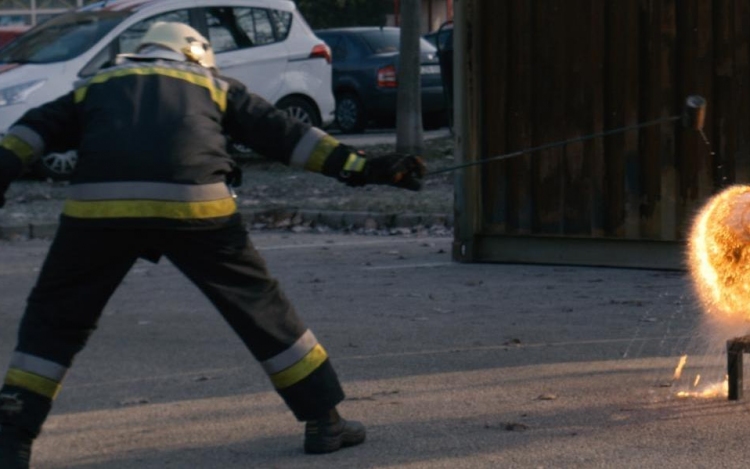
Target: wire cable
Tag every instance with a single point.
(515, 154)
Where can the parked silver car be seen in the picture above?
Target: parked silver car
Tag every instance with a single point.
(266, 44)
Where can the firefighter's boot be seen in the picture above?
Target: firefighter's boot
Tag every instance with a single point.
(331, 433)
(15, 448)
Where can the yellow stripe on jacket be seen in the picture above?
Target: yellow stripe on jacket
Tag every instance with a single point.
(150, 209)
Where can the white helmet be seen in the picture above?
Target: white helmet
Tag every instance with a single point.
(180, 38)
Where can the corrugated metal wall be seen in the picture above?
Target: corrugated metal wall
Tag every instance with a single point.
(542, 71)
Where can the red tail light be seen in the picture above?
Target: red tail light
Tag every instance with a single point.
(387, 77)
(321, 51)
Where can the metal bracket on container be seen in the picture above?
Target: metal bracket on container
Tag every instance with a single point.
(736, 348)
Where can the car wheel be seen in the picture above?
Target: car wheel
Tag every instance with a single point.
(56, 166)
(300, 109)
(350, 114)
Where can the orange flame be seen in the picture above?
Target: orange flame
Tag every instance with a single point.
(680, 366)
(719, 264)
(719, 254)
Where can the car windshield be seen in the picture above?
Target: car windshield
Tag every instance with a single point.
(387, 40)
(61, 38)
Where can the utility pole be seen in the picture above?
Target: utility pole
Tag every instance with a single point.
(409, 133)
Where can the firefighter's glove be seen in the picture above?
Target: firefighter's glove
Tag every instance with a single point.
(396, 169)
(10, 169)
(3, 187)
(4, 183)
(234, 177)
(354, 168)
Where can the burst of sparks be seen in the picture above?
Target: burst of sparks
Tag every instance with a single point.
(712, 390)
(707, 391)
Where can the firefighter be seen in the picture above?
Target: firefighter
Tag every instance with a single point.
(151, 181)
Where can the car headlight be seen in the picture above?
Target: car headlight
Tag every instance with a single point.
(18, 93)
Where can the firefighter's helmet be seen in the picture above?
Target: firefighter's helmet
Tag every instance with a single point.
(180, 38)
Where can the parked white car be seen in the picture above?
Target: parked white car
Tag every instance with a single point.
(266, 44)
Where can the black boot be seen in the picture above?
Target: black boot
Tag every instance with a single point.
(15, 448)
(332, 433)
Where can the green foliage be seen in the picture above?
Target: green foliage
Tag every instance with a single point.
(336, 13)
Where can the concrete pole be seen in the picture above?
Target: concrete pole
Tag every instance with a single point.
(409, 133)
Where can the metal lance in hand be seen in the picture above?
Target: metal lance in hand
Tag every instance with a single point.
(695, 113)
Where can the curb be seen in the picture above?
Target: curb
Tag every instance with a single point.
(30, 231)
(287, 219)
(290, 218)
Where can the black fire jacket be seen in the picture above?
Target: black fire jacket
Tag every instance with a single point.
(152, 144)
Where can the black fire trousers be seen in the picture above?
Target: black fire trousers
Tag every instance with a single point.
(83, 268)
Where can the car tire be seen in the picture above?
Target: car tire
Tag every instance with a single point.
(300, 109)
(56, 166)
(350, 113)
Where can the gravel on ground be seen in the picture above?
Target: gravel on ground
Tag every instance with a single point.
(273, 195)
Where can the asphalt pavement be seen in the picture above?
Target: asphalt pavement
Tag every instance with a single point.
(449, 365)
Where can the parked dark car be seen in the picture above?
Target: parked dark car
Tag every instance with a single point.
(443, 40)
(365, 61)
(440, 37)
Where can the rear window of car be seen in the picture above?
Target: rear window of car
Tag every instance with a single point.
(388, 40)
(282, 21)
(61, 38)
(381, 40)
(239, 28)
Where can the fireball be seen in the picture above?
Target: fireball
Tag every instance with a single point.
(719, 255)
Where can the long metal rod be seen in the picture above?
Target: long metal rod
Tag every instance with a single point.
(515, 154)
